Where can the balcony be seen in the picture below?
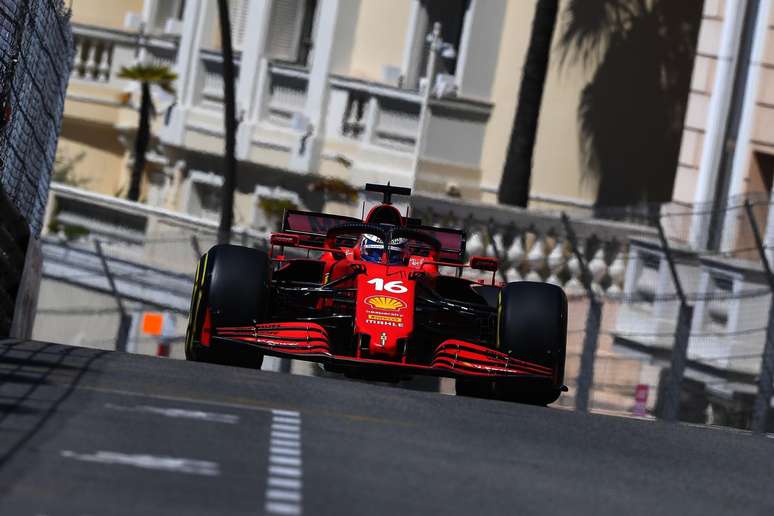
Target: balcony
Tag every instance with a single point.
(100, 53)
(370, 128)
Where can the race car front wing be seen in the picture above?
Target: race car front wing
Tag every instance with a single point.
(309, 341)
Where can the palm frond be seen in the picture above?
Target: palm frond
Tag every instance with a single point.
(159, 75)
(589, 24)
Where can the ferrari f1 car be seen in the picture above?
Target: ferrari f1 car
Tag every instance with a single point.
(367, 298)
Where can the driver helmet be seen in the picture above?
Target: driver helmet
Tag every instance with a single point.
(372, 248)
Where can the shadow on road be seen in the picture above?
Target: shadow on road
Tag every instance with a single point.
(35, 379)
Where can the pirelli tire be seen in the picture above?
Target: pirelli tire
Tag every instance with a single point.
(233, 283)
(532, 325)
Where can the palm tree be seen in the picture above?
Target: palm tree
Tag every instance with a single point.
(632, 110)
(146, 75)
(229, 119)
(514, 185)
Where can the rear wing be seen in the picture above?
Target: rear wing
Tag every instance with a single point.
(452, 242)
(312, 227)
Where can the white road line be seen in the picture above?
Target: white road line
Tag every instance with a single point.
(286, 435)
(287, 443)
(282, 508)
(283, 450)
(287, 413)
(171, 464)
(282, 460)
(286, 420)
(284, 483)
(283, 495)
(283, 471)
(286, 428)
(177, 413)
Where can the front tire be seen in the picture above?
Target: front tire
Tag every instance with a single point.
(232, 282)
(532, 326)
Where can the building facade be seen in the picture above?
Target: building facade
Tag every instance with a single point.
(727, 152)
(325, 88)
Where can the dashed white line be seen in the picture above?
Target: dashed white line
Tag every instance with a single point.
(282, 450)
(283, 495)
(283, 508)
(283, 471)
(282, 460)
(290, 483)
(287, 443)
(171, 464)
(285, 427)
(286, 435)
(285, 420)
(177, 413)
(284, 483)
(291, 413)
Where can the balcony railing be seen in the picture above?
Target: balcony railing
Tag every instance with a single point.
(377, 115)
(369, 113)
(100, 53)
(285, 95)
(532, 245)
(134, 231)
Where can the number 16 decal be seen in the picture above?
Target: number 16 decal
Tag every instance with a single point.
(393, 287)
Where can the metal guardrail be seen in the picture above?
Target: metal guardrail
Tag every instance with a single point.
(133, 210)
(133, 281)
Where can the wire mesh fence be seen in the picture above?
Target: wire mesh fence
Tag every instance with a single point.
(35, 56)
(36, 52)
(675, 327)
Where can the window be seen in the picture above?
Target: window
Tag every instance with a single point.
(451, 15)
(291, 29)
(758, 185)
(238, 18)
(203, 198)
(166, 10)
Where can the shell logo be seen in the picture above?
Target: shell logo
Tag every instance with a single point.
(385, 302)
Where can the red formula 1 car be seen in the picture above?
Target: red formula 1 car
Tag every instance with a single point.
(366, 298)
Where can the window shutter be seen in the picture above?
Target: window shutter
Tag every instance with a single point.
(238, 15)
(285, 30)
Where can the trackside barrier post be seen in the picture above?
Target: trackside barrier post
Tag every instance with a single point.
(497, 252)
(125, 319)
(672, 393)
(593, 322)
(766, 376)
(197, 249)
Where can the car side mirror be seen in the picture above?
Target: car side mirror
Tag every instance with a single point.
(484, 263)
(283, 239)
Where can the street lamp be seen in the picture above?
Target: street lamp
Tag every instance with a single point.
(446, 50)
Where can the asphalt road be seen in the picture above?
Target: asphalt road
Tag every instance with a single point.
(87, 432)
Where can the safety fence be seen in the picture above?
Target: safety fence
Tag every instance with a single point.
(659, 326)
(36, 53)
(656, 328)
(35, 59)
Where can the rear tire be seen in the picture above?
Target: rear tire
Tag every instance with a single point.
(233, 283)
(532, 326)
